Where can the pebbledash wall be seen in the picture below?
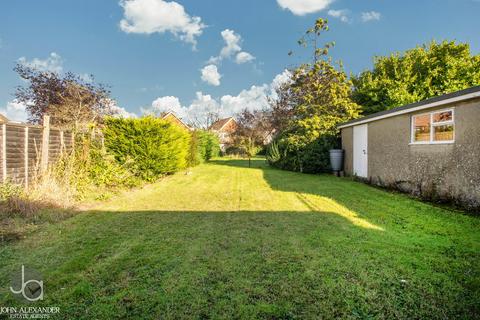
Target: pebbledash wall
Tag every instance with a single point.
(438, 171)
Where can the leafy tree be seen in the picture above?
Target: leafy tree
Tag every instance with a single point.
(68, 99)
(204, 145)
(250, 147)
(210, 145)
(416, 74)
(253, 128)
(282, 107)
(194, 156)
(321, 100)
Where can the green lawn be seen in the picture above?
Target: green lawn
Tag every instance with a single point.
(227, 241)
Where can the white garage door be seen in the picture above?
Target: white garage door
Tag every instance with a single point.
(360, 150)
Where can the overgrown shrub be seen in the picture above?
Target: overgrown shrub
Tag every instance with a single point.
(89, 165)
(309, 158)
(154, 146)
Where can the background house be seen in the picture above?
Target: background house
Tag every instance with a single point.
(429, 148)
(224, 128)
(171, 117)
(3, 119)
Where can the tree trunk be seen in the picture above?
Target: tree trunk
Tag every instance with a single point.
(249, 162)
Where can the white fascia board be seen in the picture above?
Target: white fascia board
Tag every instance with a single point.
(409, 110)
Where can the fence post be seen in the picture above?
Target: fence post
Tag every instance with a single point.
(62, 142)
(4, 152)
(73, 138)
(45, 140)
(25, 153)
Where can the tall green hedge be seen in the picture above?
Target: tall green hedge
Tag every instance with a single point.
(209, 146)
(204, 146)
(155, 146)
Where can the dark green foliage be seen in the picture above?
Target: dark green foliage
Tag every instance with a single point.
(319, 99)
(416, 74)
(235, 151)
(194, 157)
(209, 145)
(273, 153)
(310, 158)
(204, 145)
(154, 146)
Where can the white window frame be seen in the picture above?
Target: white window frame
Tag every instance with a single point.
(432, 126)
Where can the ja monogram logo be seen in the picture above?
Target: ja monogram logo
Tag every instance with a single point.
(30, 285)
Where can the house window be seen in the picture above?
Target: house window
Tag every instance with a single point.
(433, 127)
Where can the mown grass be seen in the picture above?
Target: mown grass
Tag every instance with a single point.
(228, 241)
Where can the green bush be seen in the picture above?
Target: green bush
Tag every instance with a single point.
(204, 145)
(89, 165)
(209, 146)
(273, 153)
(154, 146)
(194, 152)
(310, 158)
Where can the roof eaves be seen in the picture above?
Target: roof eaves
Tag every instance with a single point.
(466, 94)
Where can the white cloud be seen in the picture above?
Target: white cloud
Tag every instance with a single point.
(243, 57)
(118, 111)
(340, 14)
(371, 16)
(166, 104)
(15, 111)
(231, 49)
(210, 75)
(303, 7)
(280, 79)
(158, 16)
(200, 108)
(232, 43)
(254, 98)
(54, 63)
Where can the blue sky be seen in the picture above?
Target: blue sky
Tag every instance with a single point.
(154, 58)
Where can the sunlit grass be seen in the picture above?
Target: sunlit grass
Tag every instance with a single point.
(228, 241)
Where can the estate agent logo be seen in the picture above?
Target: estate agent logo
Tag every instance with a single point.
(28, 285)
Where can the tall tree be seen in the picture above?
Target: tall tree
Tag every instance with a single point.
(317, 99)
(68, 99)
(416, 74)
(282, 107)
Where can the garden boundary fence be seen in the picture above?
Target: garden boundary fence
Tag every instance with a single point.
(28, 149)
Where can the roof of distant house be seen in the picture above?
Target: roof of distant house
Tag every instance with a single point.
(462, 95)
(219, 124)
(165, 115)
(3, 118)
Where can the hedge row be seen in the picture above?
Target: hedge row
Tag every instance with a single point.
(155, 147)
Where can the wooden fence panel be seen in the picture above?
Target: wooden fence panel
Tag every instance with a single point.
(23, 148)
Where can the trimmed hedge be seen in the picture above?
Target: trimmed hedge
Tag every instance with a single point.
(204, 146)
(154, 146)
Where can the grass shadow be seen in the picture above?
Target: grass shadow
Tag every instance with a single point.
(246, 264)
